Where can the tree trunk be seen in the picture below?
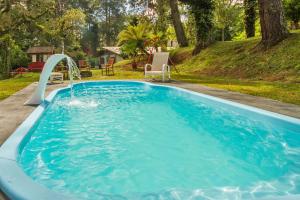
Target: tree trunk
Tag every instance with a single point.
(5, 56)
(63, 46)
(296, 24)
(203, 14)
(180, 34)
(5, 43)
(223, 34)
(250, 15)
(8, 58)
(273, 27)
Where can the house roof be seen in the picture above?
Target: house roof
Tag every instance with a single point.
(116, 50)
(34, 50)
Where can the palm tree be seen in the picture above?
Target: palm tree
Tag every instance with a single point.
(133, 41)
(136, 37)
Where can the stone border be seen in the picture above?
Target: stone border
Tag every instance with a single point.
(291, 110)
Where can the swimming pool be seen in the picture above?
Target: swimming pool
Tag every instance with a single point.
(135, 140)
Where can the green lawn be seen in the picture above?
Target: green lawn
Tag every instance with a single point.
(242, 60)
(11, 86)
(285, 92)
(120, 73)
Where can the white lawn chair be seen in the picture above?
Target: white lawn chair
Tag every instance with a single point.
(159, 66)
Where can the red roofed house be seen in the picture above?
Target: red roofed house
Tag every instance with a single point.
(39, 56)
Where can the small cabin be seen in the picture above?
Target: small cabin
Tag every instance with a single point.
(39, 55)
(110, 52)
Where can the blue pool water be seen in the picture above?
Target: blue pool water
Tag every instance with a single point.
(121, 140)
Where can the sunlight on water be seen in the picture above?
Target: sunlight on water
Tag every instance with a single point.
(91, 104)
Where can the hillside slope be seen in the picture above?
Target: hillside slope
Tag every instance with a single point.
(241, 60)
(239, 66)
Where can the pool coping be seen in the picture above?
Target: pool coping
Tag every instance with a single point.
(17, 185)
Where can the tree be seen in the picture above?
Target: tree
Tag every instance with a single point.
(66, 28)
(250, 17)
(90, 38)
(161, 8)
(226, 14)
(179, 30)
(133, 41)
(19, 21)
(203, 14)
(111, 17)
(273, 27)
(135, 37)
(292, 11)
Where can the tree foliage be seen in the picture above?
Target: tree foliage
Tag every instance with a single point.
(226, 14)
(203, 14)
(133, 39)
(250, 17)
(85, 26)
(66, 28)
(292, 11)
(19, 27)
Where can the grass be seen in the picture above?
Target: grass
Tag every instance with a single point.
(121, 72)
(11, 86)
(240, 66)
(242, 60)
(285, 92)
(235, 66)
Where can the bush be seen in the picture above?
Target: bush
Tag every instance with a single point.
(19, 58)
(94, 61)
(77, 55)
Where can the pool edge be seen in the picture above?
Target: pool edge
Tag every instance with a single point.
(14, 186)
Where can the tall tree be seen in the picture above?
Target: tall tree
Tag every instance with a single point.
(19, 23)
(292, 11)
(111, 19)
(226, 14)
(5, 39)
(179, 30)
(250, 16)
(161, 9)
(203, 14)
(67, 29)
(90, 38)
(273, 27)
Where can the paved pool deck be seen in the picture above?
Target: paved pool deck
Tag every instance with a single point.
(13, 111)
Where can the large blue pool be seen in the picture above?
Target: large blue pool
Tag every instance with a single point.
(133, 140)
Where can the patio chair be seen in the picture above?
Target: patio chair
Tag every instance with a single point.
(109, 66)
(159, 66)
(83, 65)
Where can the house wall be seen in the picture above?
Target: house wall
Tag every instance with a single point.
(40, 57)
(33, 58)
(119, 58)
(104, 58)
(45, 58)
